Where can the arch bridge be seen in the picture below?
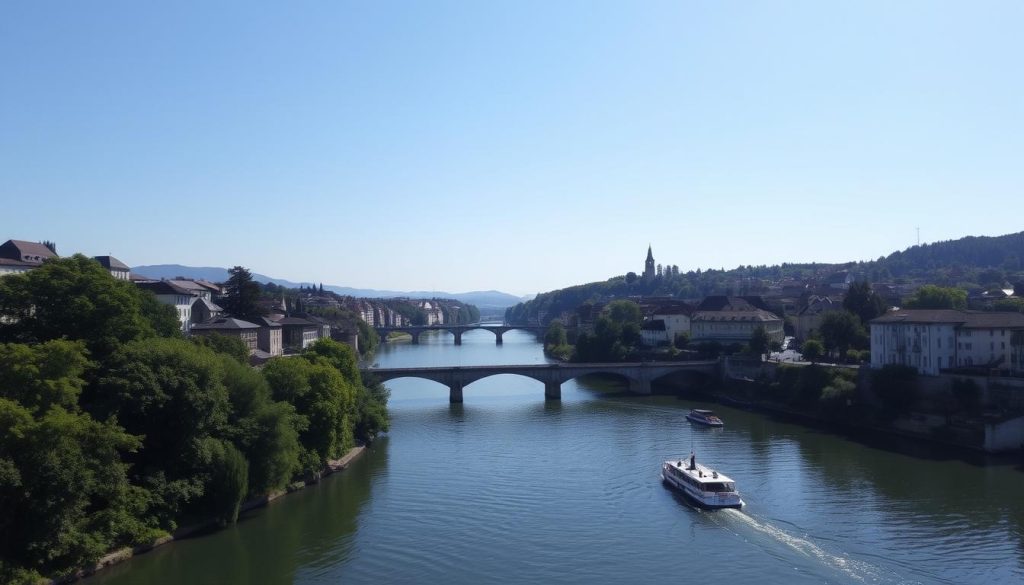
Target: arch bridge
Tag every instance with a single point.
(640, 375)
(457, 331)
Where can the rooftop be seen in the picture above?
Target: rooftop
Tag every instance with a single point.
(111, 263)
(968, 319)
(221, 323)
(21, 253)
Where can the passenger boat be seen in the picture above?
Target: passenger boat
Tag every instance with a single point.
(702, 484)
(704, 417)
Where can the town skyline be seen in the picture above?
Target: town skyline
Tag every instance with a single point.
(521, 148)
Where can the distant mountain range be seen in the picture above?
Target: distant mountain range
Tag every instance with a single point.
(482, 299)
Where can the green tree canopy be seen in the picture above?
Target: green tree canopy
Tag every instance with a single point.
(228, 345)
(242, 295)
(1010, 304)
(74, 298)
(555, 335)
(841, 330)
(172, 392)
(45, 375)
(863, 302)
(930, 296)
(63, 489)
(759, 341)
(812, 350)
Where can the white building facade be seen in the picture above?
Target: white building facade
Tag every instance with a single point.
(933, 340)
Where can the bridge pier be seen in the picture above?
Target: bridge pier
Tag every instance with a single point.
(415, 337)
(458, 337)
(552, 390)
(640, 386)
(497, 337)
(455, 393)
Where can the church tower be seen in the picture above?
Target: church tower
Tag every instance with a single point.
(649, 264)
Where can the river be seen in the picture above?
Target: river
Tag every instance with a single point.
(510, 488)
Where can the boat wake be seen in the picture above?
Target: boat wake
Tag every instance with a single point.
(859, 571)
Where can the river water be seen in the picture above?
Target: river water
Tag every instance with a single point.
(509, 488)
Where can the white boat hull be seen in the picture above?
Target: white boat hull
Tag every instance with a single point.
(704, 499)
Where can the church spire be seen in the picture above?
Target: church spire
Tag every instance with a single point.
(649, 264)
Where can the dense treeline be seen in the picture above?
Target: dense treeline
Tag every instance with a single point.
(967, 263)
(114, 430)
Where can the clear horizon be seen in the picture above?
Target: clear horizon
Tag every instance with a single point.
(520, 147)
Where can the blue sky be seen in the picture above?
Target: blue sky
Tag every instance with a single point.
(521, 146)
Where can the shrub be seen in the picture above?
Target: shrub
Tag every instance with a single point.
(896, 386)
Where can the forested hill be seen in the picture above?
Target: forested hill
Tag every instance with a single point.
(970, 263)
(970, 255)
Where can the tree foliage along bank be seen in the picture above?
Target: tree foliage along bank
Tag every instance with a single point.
(114, 430)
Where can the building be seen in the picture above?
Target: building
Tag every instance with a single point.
(653, 333)
(19, 256)
(298, 333)
(649, 264)
(169, 292)
(117, 269)
(198, 288)
(676, 317)
(433, 311)
(808, 320)
(269, 337)
(729, 320)
(932, 340)
(231, 327)
(204, 310)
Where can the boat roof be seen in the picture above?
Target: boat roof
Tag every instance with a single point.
(708, 476)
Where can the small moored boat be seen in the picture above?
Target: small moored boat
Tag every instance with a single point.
(704, 417)
(702, 484)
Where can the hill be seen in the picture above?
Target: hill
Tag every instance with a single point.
(490, 299)
(971, 262)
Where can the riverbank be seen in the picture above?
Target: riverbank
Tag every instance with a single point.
(843, 398)
(121, 555)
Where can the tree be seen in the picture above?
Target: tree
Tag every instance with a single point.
(1010, 304)
(242, 295)
(72, 298)
(896, 386)
(324, 403)
(555, 335)
(631, 277)
(682, 339)
(930, 296)
(63, 489)
(173, 393)
(39, 377)
(759, 341)
(812, 350)
(863, 302)
(228, 345)
(624, 312)
(841, 330)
